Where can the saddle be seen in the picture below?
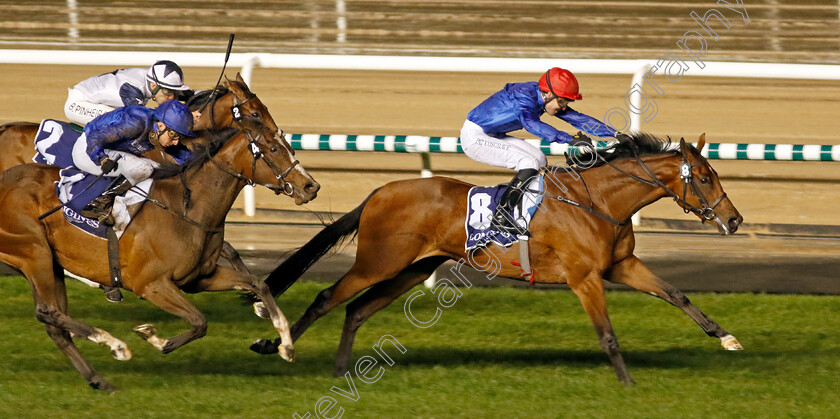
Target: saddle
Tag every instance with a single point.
(481, 205)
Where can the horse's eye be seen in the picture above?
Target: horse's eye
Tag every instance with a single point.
(273, 149)
(255, 114)
(704, 180)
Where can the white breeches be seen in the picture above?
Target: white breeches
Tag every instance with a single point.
(511, 152)
(134, 168)
(80, 111)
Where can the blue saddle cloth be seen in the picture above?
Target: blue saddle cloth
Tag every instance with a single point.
(54, 146)
(481, 204)
(54, 143)
(75, 190)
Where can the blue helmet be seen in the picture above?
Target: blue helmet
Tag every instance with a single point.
(177, 116)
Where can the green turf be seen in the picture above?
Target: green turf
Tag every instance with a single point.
(501, 352)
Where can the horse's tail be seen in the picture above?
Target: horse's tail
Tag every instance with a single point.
(281, 278)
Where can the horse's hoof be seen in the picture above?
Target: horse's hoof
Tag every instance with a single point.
(146, 331)
(121, 353)
(101, 384)
(287, 352)
(264, 347)
(260, 310)
(730, 343)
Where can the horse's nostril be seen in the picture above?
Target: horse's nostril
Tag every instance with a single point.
(312, 188)
(734, 222)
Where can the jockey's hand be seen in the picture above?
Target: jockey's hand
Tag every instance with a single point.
(580, 139)
(107, 165)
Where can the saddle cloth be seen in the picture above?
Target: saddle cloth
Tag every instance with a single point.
(481, 204)
(54, 145)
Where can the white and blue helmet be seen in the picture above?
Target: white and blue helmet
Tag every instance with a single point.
(167, 75)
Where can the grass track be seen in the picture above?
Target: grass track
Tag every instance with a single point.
(496, 353)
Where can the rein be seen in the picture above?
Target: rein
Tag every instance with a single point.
(706, 211)
(184, 217)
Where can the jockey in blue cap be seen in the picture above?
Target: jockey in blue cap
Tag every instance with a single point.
(113, 142)
(519, 105)
(92, 97)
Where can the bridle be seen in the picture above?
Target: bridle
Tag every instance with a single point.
(706, 212)
(283, 186)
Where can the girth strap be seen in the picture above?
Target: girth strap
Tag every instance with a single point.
(112, 292)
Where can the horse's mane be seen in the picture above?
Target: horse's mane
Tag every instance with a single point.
(200, 154)
(197, 100)
(644, 143)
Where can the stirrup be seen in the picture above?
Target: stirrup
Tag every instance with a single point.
(112, 294)
(99, 209)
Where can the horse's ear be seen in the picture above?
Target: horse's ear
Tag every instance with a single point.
(701, 142)
(240, 79)
(684, 147)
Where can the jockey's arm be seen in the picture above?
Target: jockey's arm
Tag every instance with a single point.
(109, 128)
(586, 123)
(532, 124)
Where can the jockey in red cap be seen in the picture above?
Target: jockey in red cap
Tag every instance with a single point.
(519, 105)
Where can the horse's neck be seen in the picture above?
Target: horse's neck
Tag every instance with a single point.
(217, 116)
(619, 195)
(212, 190)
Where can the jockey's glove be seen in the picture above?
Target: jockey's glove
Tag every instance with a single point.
(580, 139)
(107, 165)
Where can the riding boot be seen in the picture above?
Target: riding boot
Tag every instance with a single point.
(100, 208)
(503, 216)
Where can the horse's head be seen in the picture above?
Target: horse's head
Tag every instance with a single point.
(231, 103)
(265, 157)
(702, 192)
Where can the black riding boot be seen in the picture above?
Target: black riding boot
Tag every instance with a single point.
(503, 216)
(100, 208)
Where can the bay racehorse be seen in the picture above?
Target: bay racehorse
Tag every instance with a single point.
(581, 235)
(169, 247)
(17, 139)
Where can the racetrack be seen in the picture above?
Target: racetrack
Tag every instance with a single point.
(774, 197)
(501, 352)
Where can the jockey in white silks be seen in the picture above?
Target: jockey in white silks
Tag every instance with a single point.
(519, 105)
(150, 87)
(112, 145)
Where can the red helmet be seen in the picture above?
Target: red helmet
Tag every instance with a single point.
(560, 82)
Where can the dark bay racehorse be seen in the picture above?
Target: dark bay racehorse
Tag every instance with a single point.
(407, 228)
(17, 139)
(168, 247)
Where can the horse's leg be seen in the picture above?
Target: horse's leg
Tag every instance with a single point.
(360, 276)
(226, 279)
(231, 255)
(631, 271)
(590, 292)
(50, 295)
(63, 340)
(164, 294)
(374, 299)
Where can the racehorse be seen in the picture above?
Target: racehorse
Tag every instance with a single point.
(17, 139)
(406, 229)
(169, 246)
